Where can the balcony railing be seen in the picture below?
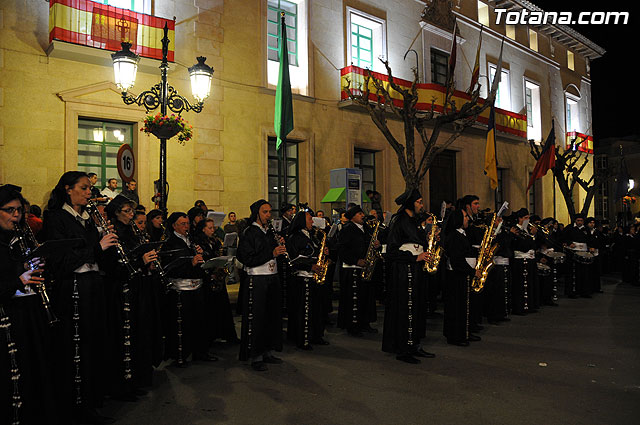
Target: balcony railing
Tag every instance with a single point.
(104, 27)
(505, 121)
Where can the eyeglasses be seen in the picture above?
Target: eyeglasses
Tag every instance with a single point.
(126, 210)
(12, 210)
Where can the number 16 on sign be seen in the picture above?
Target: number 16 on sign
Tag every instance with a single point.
(126, 163)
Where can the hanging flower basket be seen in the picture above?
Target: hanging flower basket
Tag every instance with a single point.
(168, 126)
(629, 199)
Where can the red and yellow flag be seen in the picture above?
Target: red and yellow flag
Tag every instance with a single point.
(98, 25)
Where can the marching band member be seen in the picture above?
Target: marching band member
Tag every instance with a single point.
(26, 388)
(357, 302)
(78, 297)
(155, 226)
(261, 319)
(457, 289)
(595, 242)
(188, 330)
(498, 289)
(305, 324)
(405, 251)
(475, 233)
(575, 238)
(523, 269)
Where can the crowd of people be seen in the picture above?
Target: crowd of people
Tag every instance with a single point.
(96, 292)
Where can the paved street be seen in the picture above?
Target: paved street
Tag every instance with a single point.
(574, 364)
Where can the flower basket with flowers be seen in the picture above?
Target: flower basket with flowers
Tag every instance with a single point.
(168, 126)
(629, 199)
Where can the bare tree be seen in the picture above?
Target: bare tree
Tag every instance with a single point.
(427, 124)
(568, 169)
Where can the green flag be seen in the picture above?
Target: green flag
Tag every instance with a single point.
(283, 121)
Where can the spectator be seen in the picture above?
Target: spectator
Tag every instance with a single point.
(232, 225)
(96, 196)
(110, 191)
(130, 191)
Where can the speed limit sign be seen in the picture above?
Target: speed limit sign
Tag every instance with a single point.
(126, 163)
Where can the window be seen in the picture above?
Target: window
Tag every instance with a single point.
(439, 66)
(366, 161)
(274, 8)
(366, 40)
(283, 173)
(140, 6)
(483, 13)
(511, 31)
(295, 19)
(534, 116)
(98, 144)
(573, 118)
(570, 60)
(503, 97)
(500, 189)
(533, 40)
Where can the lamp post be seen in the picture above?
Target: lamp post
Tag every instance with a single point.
(125, 65)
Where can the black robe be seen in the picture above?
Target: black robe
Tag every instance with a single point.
(524, 282)
(305, 322)
(25, 323)
(188, 331)
(457, 290)
(83, 293)
(262, 297)
(357, 308)
(497, 291)
(576, 281)
(403, 317)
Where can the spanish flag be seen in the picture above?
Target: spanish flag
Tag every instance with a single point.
(490, 159)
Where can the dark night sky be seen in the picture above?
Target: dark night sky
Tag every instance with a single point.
(613, 76)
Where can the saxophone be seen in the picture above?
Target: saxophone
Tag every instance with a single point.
(484, 262)
(434, 250)
(323, 261)
(373, 254)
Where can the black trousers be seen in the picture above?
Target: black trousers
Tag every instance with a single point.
(262, 316)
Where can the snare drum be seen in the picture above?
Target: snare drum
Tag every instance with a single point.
(583, 257)
(543, 269)
(557, 257)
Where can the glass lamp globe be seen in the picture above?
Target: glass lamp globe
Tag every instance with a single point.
(125, 66)
(200, 74)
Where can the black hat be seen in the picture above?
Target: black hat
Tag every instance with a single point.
(285, 207)
(590, 219)
(509, 220)
(174, 217)
(521, 213)
(535, 218)
(194, 212)
(9, 192)
(299, 221)
(407, 199)
(351, 212)
(547, 220)
(117, 204)
(255, 207)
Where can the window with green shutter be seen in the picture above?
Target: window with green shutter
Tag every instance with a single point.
(290, 9)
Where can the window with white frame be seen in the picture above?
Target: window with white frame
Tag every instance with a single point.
(533, 40)
(295, 19)
(573, 115)
(439, 66)
(503, 96)
(140, 6)
(366, 40)
(511, 31)
(534, 115)
(570, 60)
(483, 13)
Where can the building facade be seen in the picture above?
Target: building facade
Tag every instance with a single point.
(59, 109)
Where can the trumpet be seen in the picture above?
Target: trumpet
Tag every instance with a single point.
(92, 209)
(27, 243)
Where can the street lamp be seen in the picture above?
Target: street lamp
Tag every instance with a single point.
(125, 65)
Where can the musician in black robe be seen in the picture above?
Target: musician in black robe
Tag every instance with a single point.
(219, 306)
(596, 245)
(405, 252)
(523, 267)
(188, 332)
(25, 337)
(475, 233)
(498, 287)
(305, 321)
(357, 298)
(457, 290)
(262, 311)
(155, 225)
(575, 238)
(287, 212)
(78, 296)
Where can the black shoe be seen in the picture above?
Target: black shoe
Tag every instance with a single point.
(458, 343)
(140, 392)
(407, 358)
(306, 347)
(356, 333)
(600, 291)
(586, 296)
(504, 319)
(551, 304)
(494, 322)
(259, 366)
(179, 364)
(128, 396)
(421, 353)
(573, 296)
(367, 328)
(476, 328)
(473, 338)
(91, 416)
(272, 359)
(320, 341)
